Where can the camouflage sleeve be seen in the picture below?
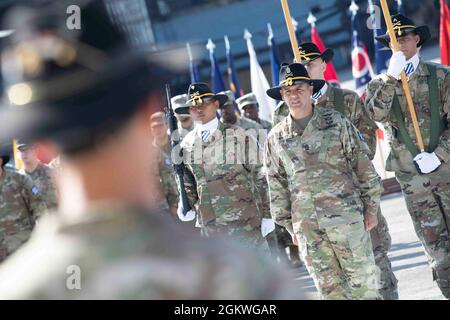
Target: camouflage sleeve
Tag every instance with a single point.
(260, 188)
(169, 184)
(279, 195)
(33, 198)
(443, 148)
(365, 175)
(379, 95)
(365, 125)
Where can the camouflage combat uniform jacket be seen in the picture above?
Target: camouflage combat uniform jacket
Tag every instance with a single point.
(121, 251)
(20, 206)
(246, 124)
(167, 176)
(379, 98)
(265, 124)
(42, 177)
(225, 181)
(354, 110)
(323, 173)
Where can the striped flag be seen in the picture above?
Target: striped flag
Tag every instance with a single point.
(381, 56)
(361, 66)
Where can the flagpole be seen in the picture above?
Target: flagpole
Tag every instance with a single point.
(387, 17)
(290, 27)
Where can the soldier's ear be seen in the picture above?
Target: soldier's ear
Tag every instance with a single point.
(417, 39)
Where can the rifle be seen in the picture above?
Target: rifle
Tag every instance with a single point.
(180, 168)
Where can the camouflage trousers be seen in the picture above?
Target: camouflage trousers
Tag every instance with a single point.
(340, 260)
(428, 200)
(381, 244)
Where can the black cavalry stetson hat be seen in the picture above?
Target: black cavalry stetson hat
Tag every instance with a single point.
(310, 52)
(199, 93)
(64, 83)
(291, 74)
(403, 26)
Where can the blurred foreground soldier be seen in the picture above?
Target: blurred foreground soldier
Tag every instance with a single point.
(224, 179)
(21, 205)
(39, 173)
(166, 176)
(228, 114)
(248, 106)
(181, 110)
(423, 176)
(107, 230)
(323, 189)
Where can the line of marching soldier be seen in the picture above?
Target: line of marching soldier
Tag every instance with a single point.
(322, 186)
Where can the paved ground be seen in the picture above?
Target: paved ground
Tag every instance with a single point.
(407, 256)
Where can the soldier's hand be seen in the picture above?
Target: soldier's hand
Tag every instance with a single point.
(370, 221)
(396, 65)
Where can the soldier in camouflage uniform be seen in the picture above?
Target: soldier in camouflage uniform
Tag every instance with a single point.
(185, 122)
(349, 104)
(20, 206)
(39, 173)
(161, 142)
(324, 189)
(224, 180)
(248, 106)
(228, 114)
(107, 230)
(423, 176)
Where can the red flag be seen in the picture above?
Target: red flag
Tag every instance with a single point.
(445, 33)
(330, 73)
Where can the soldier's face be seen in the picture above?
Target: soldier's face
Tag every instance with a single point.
(185, 120)
(251, 112)
(228, 113)
(316, 68)
(408, 45)
(204, 112)
(28, 156)
(159, 130)
(297, 96)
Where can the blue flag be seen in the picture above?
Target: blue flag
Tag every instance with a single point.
(381, 56)
(274, 60)
(195, 75)
(216, 76)
(233, 79)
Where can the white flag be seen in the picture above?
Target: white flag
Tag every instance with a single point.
(259, 82)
